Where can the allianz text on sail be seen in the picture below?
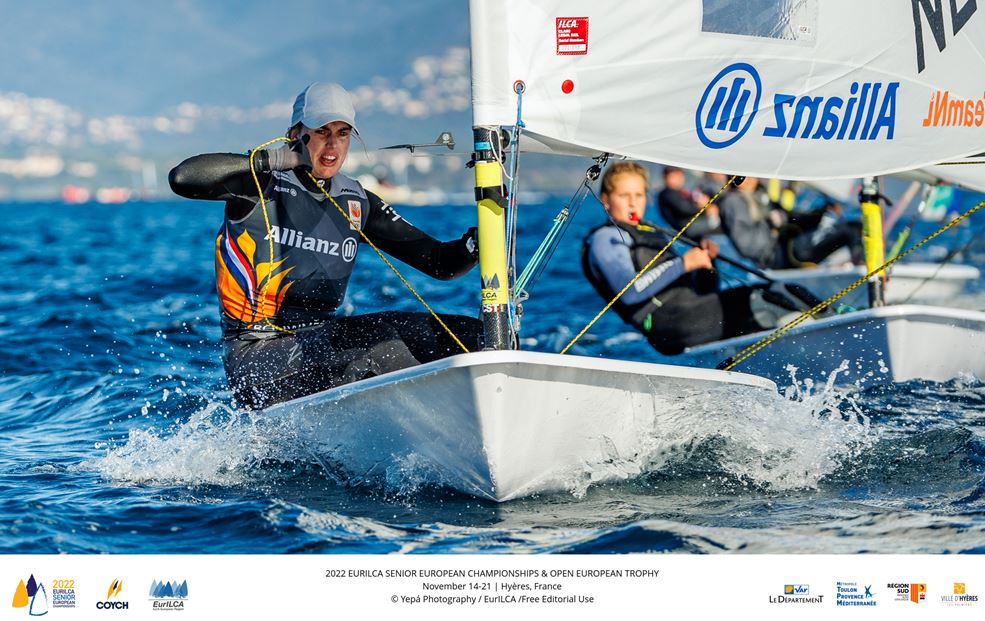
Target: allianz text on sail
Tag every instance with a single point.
(730, 104)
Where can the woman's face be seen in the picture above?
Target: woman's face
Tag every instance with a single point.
(328, 146)
(627, 201)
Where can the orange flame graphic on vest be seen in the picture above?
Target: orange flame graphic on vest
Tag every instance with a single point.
(248, 292)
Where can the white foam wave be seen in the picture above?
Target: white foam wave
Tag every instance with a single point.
(781, 442)
(217, 445)
(778, 442)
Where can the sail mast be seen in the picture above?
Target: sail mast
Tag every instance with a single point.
(872, 240)
(490, 196)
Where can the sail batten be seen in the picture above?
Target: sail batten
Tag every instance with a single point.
(795, 89)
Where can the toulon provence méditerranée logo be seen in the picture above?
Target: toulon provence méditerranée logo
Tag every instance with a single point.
(32, 596)
(854, 594)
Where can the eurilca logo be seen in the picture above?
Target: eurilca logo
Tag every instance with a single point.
(731, 101)
(169, 595)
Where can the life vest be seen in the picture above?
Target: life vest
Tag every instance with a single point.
(645, 243)
(314, 248)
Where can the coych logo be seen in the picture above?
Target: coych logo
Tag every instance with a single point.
(113, 601)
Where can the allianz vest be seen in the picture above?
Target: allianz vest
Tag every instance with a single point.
(314, 248)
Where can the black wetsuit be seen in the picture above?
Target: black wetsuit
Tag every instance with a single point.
(281, 336)
(677, 208)
(685, 312)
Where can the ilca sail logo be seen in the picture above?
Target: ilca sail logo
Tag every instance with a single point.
(113, 601)
(730, 104)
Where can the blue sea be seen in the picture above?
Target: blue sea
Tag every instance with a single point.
(120, 434)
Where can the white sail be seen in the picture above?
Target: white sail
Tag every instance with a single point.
(968, 173)
(794, 89)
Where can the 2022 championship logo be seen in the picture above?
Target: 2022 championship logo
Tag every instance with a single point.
(730, 104)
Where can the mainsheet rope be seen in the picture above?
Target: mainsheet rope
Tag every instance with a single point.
(270, 238)
(731, 181)
(743, 355)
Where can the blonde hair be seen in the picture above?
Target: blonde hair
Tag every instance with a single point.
(622, 168)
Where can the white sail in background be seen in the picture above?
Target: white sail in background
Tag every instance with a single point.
(968, 173)
(794, 89)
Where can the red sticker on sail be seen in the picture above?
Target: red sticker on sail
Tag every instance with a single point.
(572, 35)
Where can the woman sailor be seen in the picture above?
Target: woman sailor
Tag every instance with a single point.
(282, 268)
(676, 303)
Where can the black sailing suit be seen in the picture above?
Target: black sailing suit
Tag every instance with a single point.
(688, 312)
(300, 287)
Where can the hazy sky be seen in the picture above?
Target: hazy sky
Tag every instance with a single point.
(124, 57)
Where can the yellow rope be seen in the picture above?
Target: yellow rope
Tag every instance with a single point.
(270, 237)
(390, 265)
(776, 334)
(647, 266)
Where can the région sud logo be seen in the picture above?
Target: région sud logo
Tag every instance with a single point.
(914, 592)
(730, 103)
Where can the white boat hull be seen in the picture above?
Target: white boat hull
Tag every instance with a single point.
(917, 283)
(891, 343)
(504, 424)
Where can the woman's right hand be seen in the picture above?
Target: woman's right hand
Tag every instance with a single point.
(289, 155)
(696, 259)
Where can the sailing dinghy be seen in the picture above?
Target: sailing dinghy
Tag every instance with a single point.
(919, 283)
(796, 90)
(506, 424)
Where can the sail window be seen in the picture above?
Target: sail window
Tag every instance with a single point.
(783, 20)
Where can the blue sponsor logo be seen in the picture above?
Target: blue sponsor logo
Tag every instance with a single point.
(728, 106)
(796, 589)
(731, 101)
(863, 115)
(166, 590)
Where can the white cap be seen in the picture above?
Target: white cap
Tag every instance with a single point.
(321, 103)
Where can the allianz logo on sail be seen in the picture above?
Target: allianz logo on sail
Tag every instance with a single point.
(730, 103)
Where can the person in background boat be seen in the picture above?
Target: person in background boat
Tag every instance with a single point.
(676, 303)
(678, 205)
(772, 237)
(281, 281)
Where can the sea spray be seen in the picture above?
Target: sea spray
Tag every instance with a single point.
(754, 436)
(216, 445)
